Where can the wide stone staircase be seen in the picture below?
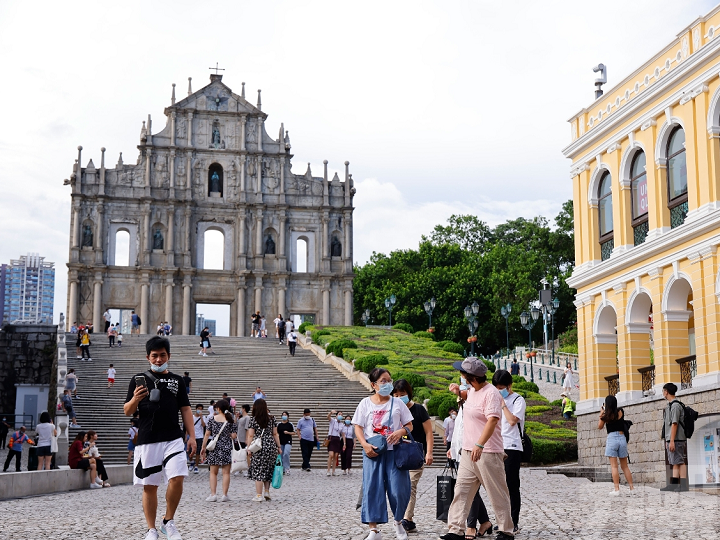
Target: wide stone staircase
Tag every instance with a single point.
(238, 367)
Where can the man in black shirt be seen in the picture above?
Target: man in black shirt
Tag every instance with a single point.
(160, 451)
(188, 381)
(422, 432)
(285, 431)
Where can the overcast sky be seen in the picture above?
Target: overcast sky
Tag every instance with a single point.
(440, 107)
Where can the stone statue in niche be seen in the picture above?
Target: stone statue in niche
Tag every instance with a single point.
(158, 241)
(215, 182)
(251, 133)
(216, 137)
(87, 236)
(180, 175)
(269, 246)
(197, 181)
(251, 168)
(335, 247)
(181, 129)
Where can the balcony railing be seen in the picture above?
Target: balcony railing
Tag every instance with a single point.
(688, 370)
(613, 384)
(648, 377)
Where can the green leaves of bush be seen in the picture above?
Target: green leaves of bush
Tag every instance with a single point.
(526, 385)
(415, 380)
(367, 363)
(547, 451)
(317, 337)
(453, 347)
(405, 327)
(336, 347)
(441, 401)
(424, 334)
(305, 326)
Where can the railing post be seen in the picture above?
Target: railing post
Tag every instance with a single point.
(554, 377)
(525, 369)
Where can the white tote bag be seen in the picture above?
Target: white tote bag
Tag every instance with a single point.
(457, 438)
(211, 444)
(239, 458)
(256, 445)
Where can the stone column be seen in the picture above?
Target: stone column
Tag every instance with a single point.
(146, 235)
(76, 227)
(259, 133)
(186, 241)
(242, 249)
(259, 234)
(242, 171)
(97, 305)
(144, 306)
(258, 294)
(168, 302)
(187, 290)
(73, 302)
(281, 300)
(258, 184)
(172, 128)
(281, 242)
(243, 121)
(326, 306)
(346, 244)
(189, 136)
(348, 307)
(172, 173)
(325, 243)
(170, 246)
(241, 310)
(99, 235)
(148, 168)
(101, 187)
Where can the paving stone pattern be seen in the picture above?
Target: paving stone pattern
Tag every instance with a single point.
(313, 506)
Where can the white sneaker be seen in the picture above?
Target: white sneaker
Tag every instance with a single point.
(95, 485)
(400, 532)
(328, 473)
(374, 535)
(258, 498)
(336, 473)
(200, 353)
(225, 498)
(98, 480)
(211, 498)
(204, 354)
(170, 530)
(152, 534)
(615, 493)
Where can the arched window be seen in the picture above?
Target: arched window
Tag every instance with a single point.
(638, 181)
(214, 250)
(302, 255)
(677, 177)
(122, 248)
(605, 213)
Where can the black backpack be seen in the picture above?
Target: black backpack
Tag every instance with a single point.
(690, 415)
(527, 446)
(626, 428)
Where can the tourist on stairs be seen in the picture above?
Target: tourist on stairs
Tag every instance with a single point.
(262, 462)
(285, 432)
(384, 416)
(223, 430)
(292, 338)
(205, 342)
(334, 441)
(347, 432)
(85, 346)
(306, 430)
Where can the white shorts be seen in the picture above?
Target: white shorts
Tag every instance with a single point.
(158, 462)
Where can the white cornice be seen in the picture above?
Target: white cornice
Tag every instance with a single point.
(598, 273)
(595, 136)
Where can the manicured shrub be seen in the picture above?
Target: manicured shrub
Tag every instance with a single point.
(556, 403)
(453, 348)
(367, 363)
(517, 379)
(424, 334)
(336, 347)
(405, 327)
(437, 399)
(548, 451)
(490, 366)
(536, 410)
(415, 380)
(444, 407)
(526, 385)
(304, 327)
(421, 394)
(441, 344)
(318, 337)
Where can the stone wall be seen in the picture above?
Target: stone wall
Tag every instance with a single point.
(647, 453)
(27, 353)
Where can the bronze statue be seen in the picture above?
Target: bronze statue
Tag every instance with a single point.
(335, 247)
(269, 246)
(215, 183)
(87, 238)
(158, 241)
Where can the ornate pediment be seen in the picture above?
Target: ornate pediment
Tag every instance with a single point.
(217, 97)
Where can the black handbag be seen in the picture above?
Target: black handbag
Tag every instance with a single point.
(445, 493)
(409, 455)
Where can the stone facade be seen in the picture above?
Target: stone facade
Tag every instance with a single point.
(647, 453)
(213, 167)
(27, 353)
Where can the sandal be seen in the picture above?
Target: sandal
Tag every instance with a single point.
(469, 535)
(483, 532)
(267, 495)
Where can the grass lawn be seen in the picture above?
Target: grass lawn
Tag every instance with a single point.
(429, 369)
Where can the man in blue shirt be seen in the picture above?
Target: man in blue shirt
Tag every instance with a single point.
(15, 448)
(306, 430)
(135, 320)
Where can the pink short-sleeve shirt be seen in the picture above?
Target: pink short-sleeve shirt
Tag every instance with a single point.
(479, 406)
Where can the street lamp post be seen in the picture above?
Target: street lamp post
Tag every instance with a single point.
(505, 312)
(552, 308)
(390, 304)
(528, 320)
(365, 317)
(471, 317)
(429, 307)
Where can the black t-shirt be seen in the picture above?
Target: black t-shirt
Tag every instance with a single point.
(514, 368)
(187, 381)
(616, 425)
(285, 427)
(420, 415)
(159, 421)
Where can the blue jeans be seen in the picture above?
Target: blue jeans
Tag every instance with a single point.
(616, 445)
(380, 476)
(286, 456)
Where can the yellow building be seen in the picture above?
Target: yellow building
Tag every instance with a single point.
(646, 190)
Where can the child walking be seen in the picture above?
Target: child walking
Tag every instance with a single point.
(111, 376)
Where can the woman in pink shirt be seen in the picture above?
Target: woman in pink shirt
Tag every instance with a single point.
(482, 457)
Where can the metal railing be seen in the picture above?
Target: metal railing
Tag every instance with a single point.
(688, 370)
(27, 420)
(648, 377)
(613, 384)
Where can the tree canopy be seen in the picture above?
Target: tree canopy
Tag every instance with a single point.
(467, 261)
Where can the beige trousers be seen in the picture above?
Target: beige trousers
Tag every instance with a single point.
(488, 471)
(414, 479)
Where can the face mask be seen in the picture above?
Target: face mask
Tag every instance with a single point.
(348, 422)
(453, 416)
(340, 417)
(199, 411)
(307, 417)
(504, 393)
(404, 399)
(463, 381)
(284, 417)
(158, 369)
(385, 389)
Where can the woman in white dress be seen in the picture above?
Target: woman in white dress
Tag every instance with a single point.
(568, 379)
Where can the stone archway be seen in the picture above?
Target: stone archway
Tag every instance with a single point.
(604, 361)
(675, 327)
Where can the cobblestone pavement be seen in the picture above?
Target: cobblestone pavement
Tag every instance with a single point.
(313, 506)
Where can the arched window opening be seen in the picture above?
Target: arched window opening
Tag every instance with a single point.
(214, 250)
(638, 181)
(122, 248)
(605, 213)
(302, 255)
(677, 178)
(215, 180)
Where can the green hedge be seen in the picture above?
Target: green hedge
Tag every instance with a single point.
(367, 363)
(307, 325)
(441, 402)
(317, 337)
(491, 367)
(405, 327)
(415, 380)
(526, 385)
(453, 347)
(424, 334)
(534, 410)
(421, 394)
(546, 451)
(336, 347)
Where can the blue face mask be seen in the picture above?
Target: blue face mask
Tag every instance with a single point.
(385, 389)
(504, 393)
(159, 369)
(284, 417)
(348, 422)
(404, 399)
(340, 417)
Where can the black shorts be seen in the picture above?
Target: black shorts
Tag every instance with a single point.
(83, 464)
(43, 451)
